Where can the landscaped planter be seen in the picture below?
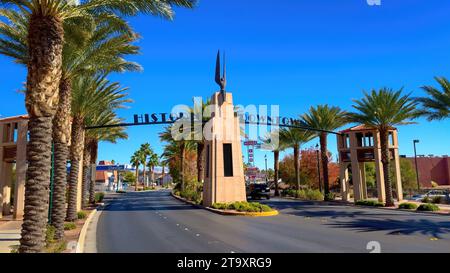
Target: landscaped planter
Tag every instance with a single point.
(229, 212)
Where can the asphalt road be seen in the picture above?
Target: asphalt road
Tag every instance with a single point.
(155, 222)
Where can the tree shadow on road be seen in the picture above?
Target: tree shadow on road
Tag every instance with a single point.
(398, 227)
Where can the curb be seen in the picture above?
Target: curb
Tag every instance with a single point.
(229, 212)
(82, 237)
(341, 203)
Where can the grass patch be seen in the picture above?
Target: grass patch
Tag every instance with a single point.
(410, 206)
(81, 215)
(70, 226)
(56, 247)
(99, 197)
(428, 207)
(243, 207)
(369, 203)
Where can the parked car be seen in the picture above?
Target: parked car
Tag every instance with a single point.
(258, 190)
(432, 194)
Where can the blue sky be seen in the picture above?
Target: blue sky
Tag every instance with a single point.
(293, 53)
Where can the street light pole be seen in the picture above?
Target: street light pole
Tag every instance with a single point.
(415, 141)
(318, 167)
(267, 176)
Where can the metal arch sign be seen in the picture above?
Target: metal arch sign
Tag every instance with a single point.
(170, 118)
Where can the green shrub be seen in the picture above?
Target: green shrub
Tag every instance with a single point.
(330, 196)
(407, 206)
(191, 195)
(310, 195)
(289, 192)
(426, 199)
(99, 197)
(314, 195)
(81, 215)
(428, 207)
(121, 191)
(56, 247)
(438, 200)
(70, 226)
(222, 206)
(370, 203)
(243, 207)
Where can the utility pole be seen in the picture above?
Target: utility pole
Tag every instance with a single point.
(415, 141)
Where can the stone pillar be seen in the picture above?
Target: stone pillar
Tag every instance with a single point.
(379, 168)
(1, 170)
(225, 180)
(362, 173)
(6, 179)
(345, 186)
(398, 177)
(21, 170)
(356, 173)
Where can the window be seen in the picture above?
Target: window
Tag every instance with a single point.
(227, 160)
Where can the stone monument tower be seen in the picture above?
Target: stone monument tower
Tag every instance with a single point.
(224, 170)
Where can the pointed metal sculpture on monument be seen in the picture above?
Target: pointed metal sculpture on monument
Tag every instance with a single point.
(221, 80)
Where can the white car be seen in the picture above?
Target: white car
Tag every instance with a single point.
(431, 194)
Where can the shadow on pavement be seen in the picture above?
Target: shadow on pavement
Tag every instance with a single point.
(362, 220)
(398, 227)
(145, 201)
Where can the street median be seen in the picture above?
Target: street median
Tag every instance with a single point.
(228, 212)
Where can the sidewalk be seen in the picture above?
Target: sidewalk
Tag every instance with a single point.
(9, 234)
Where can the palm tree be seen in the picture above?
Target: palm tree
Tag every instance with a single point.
(45, 45)
(136, 160)
(163, 164)
(275, 144)
(93, 136)
(294, 138)
(91, 95)
(383, 110)
(201, 114)
(151, 163)
(176, 148)
(90, 45)
(146, 151)
(325, 118)
(437, 105)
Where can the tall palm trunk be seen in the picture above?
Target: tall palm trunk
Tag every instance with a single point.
(86, 175)
(76, 152)
(45, 42)
(200, 157)
(182, 155)
(385, 160)
(61, 137)
(324, 159)
(94, 151)
(137, 178)
(297, 165)
(162, 174)
(143, 175)
(276, 167)
(152, 173)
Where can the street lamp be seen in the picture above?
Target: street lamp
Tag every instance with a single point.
(318, 167)
(265, 159)
(415, 141)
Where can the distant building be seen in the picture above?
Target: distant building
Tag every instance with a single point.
(435, 169)
(106, 169)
